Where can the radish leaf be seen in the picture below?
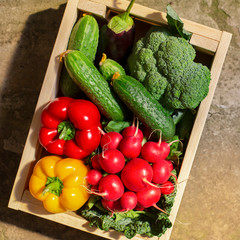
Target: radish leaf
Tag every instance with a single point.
(175, 24)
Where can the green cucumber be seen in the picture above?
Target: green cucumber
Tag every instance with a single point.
(149, 111)
(84, 37)
(185, 125)
(108, 67)
(68, 87)
(93, 84)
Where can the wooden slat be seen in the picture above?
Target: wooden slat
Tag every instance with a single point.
(71, 219)
(160, 17)
(48, 91)
(207, 45)
(92, 7)
(199, 126)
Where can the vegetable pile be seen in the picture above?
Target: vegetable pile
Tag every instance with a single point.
(132, 183)
(116, 135)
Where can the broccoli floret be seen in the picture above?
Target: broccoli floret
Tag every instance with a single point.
(174, 55)
(191, 90)
(165, 65)
(156, 84)
(142, 60)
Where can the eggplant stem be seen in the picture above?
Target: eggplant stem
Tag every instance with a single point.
(130, 6)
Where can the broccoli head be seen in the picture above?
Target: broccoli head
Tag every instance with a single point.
(156, 84)
(165, 65)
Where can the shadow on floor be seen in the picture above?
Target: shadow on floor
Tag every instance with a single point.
(18, 100)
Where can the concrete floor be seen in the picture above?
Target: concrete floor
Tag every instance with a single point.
(210, 205)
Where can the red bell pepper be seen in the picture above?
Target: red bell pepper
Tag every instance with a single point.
(70, 127)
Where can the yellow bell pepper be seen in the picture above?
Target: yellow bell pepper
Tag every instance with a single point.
(60, 183)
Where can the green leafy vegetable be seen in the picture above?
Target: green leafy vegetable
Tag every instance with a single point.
(176, 25)
(147, 223)
(176, 150)
(116, 126)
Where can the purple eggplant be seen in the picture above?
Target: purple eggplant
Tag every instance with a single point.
(120, 36)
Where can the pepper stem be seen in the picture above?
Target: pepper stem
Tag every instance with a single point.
(53, 185)
(66, 130)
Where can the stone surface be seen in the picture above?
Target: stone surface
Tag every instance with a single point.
(210, 206)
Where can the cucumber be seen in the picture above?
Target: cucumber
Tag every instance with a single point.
(149, 111)
(93, 84)
(108, 67)
(84, 37)
(185, 125)
(68, 87)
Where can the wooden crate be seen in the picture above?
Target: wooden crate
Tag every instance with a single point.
(211, 43)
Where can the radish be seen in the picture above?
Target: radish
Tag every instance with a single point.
(149, 197)
(131, 143)
(161, 172)
(147, 132)
(137, 208)
(133, 131)
(110, 188)
(170, 165)
(130, 146)
(155, 151)
(93, 176)
(110, 140)
(128, 200)
(167, 188)
(137, 174)
(112, 161)
(112, 206)
(94, 188)
(95, 162)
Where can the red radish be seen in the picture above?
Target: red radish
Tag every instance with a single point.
(147, 132)
(167, 188)
(112, 206)
(94, 176)
(155, 151)
(131, 143)
(128, 200)
(161, 172)
(94, 188)
(112, 161)
(137, 208)
(110, 140)
(110, 188)
(137, 174)
(149, 197)
(170, 165)
(130, 146)
(133, 131)
(95, 162)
